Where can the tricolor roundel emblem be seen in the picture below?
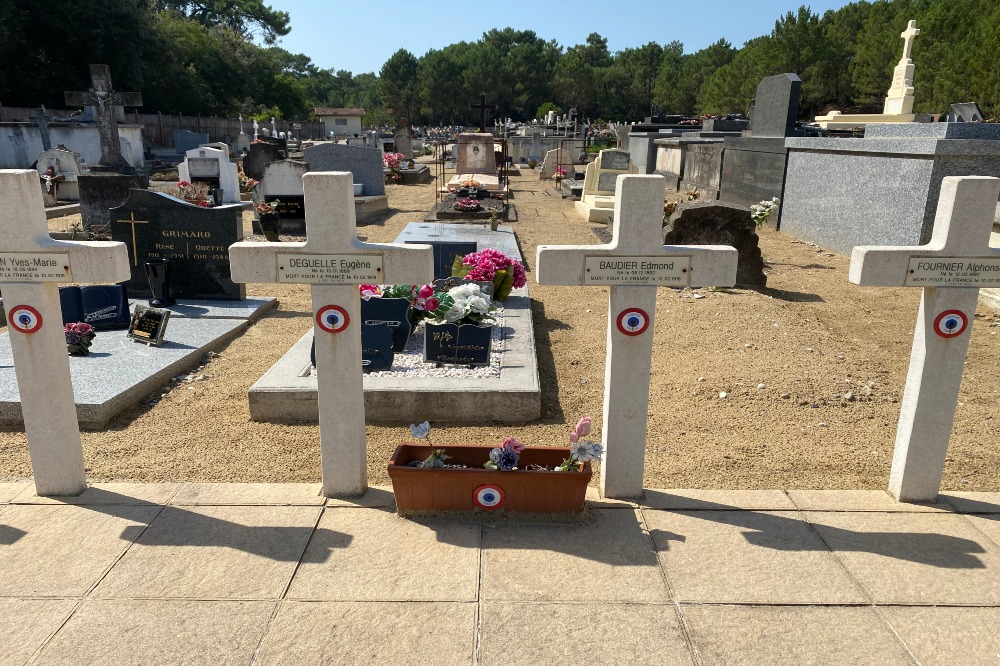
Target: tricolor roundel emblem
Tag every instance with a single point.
(489, 496)
(25, 319)
(633, 321)
(332, 319)
(950, 323)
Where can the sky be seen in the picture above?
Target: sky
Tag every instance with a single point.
(359, 37)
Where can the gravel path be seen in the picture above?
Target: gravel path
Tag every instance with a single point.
(812, 369)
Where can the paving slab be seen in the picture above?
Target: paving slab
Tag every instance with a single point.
(159, 632)
(948, 635)
(973, 503)
(748, 557)
(914, 558)
(702, 499)
(105, 493)
(26, 624)
(858, 501)
(375, 496)
(563, 634)
(371, 633)
(120, 372)
(373, 554)
(62, 550)
(608, 557)
(988, 524)
(235, 553)
(199, 493)
(10, 490)
(732, 635)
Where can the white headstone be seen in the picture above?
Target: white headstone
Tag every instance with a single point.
(204, 162)
(32, 265)
(67, 164)
(950, 269)
(335, 262)
(634, 263)
(899, 99)
(256, 127)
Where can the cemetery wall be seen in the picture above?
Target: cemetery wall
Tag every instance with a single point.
(21, 143)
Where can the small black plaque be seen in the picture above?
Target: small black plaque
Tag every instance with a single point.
(391, 313)
(376, 347)
(289, 206)
(466, 344)
(104, 307)
(148, 325)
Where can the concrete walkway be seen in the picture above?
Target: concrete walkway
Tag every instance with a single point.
(274, 574)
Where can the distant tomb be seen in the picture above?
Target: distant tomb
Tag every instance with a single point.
(211, 166)
(597, 203)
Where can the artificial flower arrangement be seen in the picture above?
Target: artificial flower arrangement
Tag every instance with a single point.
(467, 205)
(471, 183)
(761, 212)
(247, 184)
(393, 162)
(422, 299)
(506, 273)
(194, 193)
(266, 208)
(560, 173)
(79, 337)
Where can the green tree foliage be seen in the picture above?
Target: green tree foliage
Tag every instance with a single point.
(399, 87)
(245, 17)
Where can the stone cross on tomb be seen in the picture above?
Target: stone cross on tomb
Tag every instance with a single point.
(950, 270)
(483, 108)
(105, 100)
(908, 35)
(256, 126)
(335, 262)
(31, 266)
(633, 264)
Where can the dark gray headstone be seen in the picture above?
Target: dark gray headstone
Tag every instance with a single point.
(100, 192)
(196, 240)
(185, 140)
(776, 106)
(724, 124)
(615, 159)
(718, 223)
(753, 170)
(364, 163)
(261, 154)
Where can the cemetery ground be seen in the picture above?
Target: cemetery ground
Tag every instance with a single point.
(795, 386)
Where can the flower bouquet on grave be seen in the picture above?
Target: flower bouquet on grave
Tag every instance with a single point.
(506, 273)
(460, 329)
(192, 193)
(270, 220)
(392, 162)
(560, 173)
(467, 205)
(401, 306)
(761, 212)
(79, 337)
(511, 476)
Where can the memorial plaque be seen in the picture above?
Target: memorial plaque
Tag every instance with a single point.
(466, 344)
(953, 272)
(632, 270)
(35, 267)
(104, 307)
(606, 182)
(148, 325)
(615, 160)
(289, 206)
(196, 240)
(391, 313)
(329, 269)
(376, 347)
(203, 167)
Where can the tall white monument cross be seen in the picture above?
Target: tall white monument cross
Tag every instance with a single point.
(950, 269)
(31, 266)
(908, 35)
(335, 262)
(633, 264)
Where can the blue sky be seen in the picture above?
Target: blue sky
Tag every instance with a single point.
(360, 36)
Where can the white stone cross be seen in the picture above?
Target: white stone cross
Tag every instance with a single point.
(908, 35)
(335, 262)
(256, 127)
(950, 269)
(32, 265)
(633, 264)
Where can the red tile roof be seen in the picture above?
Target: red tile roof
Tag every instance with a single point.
(329, 111)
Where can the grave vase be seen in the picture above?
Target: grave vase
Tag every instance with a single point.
(530, 488)
(270, 224)
(158, 275)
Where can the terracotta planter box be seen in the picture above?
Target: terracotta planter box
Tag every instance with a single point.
(445, 489)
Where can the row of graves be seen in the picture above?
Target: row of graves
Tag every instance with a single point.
(949, 270)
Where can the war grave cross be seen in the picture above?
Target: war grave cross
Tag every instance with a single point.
(31, 266)
(334, 262)
(104, 100)
(950, 270)
(633, 264)
(483, 108)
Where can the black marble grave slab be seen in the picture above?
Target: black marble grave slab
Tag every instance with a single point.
(261, 153)
(753, 170)
(196, 240)
(445, 253)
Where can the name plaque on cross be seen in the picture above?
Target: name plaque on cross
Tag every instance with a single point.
(953, 272)
(33, 267)
(329, 269)
(631, 270)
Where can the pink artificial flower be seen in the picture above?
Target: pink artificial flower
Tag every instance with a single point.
(425, 292)
(368, 291)
(581, 429)
(431, 303)
(514, 445)
(183, 184)
(202, 203)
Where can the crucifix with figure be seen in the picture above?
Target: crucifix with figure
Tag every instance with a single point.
(335, 262)
(483, 108)
(950, 270)
(32, 265)
(633, 265)
(106, 103)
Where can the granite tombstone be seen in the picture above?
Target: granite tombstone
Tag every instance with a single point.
(365, 164)
(261, 153)
(185, 140)
(195, 240)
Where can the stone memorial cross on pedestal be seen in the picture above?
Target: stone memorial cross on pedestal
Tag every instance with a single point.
(950, 269)
(105, 100)
(633, 265)
(335, 263)
(31, 266)
(483, 108)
